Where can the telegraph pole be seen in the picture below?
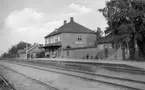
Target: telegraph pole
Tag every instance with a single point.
(26, 44)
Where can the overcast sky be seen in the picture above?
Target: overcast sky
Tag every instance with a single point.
(31, 20)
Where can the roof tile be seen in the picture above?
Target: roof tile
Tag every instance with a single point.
(71, 27)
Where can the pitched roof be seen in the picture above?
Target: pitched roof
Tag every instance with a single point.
(35, 45)
(109, 38)
(71, 27)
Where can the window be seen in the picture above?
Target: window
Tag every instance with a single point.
(58, 38)
(79, 38)
(51, 40)
(54, 39)
(48, 41)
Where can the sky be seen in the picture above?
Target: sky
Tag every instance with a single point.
(32, 20)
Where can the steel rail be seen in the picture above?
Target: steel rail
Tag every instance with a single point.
(6, 82)
(40, 82)
(106, 82)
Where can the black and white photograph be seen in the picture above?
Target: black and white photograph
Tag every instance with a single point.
(72, 44)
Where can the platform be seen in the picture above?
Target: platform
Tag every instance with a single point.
(137, 64)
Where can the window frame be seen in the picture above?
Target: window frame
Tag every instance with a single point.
(79, 38)
(58, 38)
(47, 41)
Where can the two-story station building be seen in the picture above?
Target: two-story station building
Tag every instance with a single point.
(69, 35)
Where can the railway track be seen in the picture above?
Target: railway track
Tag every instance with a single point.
(6, 84)
(116, 81)
(33, 79)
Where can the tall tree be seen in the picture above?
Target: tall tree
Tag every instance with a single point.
(126, 19)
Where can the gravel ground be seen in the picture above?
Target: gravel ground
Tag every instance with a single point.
(20, 82)
(63, 82)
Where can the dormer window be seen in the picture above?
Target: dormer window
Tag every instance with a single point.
(79, 38)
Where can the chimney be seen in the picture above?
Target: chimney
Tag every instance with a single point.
(65, 22)
(71, 19)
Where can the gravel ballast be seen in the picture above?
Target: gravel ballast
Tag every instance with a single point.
(61, 81)
(20, 82)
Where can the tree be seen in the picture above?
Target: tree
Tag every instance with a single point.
(99, 34)
(21, 45)
(12, 52)
(126, 19)
(4, 55)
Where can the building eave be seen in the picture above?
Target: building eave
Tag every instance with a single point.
(52, 35)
